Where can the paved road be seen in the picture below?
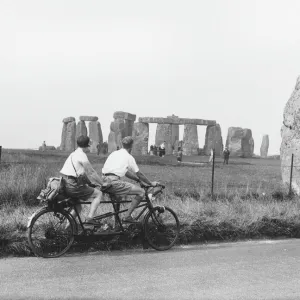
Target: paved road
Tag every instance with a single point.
(245, 270)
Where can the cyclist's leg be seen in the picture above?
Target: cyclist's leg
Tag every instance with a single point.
(139, 195)
(96, 198)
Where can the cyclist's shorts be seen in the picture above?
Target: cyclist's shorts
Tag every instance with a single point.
(83, 192)
(118, 187)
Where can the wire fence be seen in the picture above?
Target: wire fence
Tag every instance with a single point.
(251, 179)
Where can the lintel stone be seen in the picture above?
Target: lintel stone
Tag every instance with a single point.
(88, 118)
(179, 121)
(124, 115)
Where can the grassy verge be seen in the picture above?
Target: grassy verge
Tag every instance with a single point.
(249, 200)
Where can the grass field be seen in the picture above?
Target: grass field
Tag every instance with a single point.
(249, 200)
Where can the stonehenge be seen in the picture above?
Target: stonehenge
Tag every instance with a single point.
(264, 146)
(290, 144)
(240, 142)
(71, 131)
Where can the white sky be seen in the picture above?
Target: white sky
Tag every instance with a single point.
(232, 61)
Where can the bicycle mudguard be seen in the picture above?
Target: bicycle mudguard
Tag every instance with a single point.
(33, 215)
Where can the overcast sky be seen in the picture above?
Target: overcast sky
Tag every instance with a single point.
(232, 61)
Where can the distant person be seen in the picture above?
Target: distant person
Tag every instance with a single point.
(118, 148)
(155, 150)
(162, 148)
(98, 148)
(211, 156)
(226, 154)
(44, 146)
(179, 155)
(151, 152)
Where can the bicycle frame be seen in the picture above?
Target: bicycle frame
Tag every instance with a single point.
(146, 203)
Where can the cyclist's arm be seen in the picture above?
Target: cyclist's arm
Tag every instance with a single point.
(143, 178)
(139, 176)
(132, 175)
(92, 174)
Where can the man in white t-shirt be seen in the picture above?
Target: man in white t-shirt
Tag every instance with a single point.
(119, 164)
(77, 164)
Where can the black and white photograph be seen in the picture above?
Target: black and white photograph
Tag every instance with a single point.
(149, 150)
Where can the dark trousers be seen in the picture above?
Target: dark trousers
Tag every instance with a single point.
(226, 160)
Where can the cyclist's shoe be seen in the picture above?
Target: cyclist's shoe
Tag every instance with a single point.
(130, 220)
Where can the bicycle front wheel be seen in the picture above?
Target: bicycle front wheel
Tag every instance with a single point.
(161, 227)
(51, 234)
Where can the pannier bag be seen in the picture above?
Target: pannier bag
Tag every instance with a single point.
(55, 186)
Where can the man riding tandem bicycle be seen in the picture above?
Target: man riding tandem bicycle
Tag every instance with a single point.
(53, 229)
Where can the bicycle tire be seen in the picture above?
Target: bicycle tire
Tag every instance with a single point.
(161, 228)
(45, 238)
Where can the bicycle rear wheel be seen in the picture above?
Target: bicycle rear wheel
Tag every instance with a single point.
(161, 227)
(51, 234)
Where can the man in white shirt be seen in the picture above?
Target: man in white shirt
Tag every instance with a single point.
(78, 165)
(119, 164)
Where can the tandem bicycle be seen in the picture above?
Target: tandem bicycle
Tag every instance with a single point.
(53, 229)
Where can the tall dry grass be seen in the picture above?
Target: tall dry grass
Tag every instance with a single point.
(249, 200)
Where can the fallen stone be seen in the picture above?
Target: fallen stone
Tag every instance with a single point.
(213, 140)
(88, 118)
(190, 140)
(47, 148)
(69, 119)
(290, 144)
(140, 135)
(264, 146)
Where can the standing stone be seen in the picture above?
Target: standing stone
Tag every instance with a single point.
(117, 133)
(213, 140)
(95, 134)
(62, 146)
(290, 133)
(140, 135)
(240, 142)
(121, 126)
(81, 129)
(164, 133)
(190, 140)
(70, 136)
(264, 146)
(247, 143)
(175, 132)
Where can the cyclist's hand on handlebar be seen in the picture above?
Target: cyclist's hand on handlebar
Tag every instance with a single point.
(155, 183)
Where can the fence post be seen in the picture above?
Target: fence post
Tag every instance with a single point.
(0, 153)
(213, 174)
(291, 175)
